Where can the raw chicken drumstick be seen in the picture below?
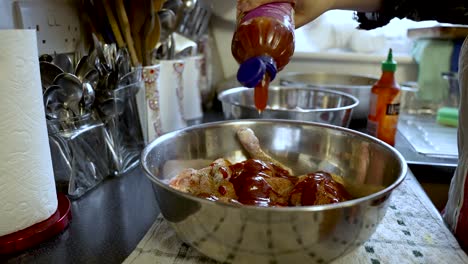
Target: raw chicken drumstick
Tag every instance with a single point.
(251, 144)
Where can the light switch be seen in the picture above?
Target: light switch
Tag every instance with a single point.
(51, 20)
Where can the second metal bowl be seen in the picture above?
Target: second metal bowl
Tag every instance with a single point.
(356, 85)
(292, 103)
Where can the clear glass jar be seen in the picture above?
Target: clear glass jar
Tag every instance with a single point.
(122, 118)
(79, 152)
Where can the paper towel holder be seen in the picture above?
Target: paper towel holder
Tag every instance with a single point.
(40, 232)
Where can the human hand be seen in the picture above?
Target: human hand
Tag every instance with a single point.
(308, 10)
(244, 6)
(305, 10)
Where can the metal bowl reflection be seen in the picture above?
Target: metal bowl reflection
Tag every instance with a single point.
(356, 85)
(370, 169)
(292, 103)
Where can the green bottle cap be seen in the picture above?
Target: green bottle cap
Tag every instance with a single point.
(389, 64)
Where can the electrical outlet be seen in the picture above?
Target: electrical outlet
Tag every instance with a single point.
(56, 22)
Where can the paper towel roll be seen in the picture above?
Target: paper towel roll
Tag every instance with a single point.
(27, 186)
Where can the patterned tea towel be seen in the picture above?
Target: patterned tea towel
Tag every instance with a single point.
(412, 231)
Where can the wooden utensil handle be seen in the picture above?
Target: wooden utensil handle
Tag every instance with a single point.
(125, 26)
(114, 25)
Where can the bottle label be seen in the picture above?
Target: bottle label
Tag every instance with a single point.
(283, 12)
(393, 109)
(373, 104)
(372, 128)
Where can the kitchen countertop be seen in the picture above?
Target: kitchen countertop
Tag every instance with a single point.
(107, 224)
(408, 152)
(412, 157)
(109, 221)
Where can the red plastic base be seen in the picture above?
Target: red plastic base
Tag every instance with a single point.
(36, 234)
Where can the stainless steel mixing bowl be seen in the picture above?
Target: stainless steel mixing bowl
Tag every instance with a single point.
(309, 234)
(356, 85)
(293, 103)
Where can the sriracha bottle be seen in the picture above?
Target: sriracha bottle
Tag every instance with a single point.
(384, 107)
(263, 44)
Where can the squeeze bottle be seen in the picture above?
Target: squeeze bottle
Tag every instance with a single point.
(384, 107)
(263, 44)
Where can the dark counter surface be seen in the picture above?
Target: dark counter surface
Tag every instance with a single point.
(107, 224)
(109, 221)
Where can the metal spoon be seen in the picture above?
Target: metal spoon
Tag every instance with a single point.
(91, 77)
(165, 50)
(72, 88)
(167, 19)
(48, 73)
(110, 53)
(87, 99)
(161, 52)
(189, 5)
(111, 81)
(186, 17)
(171, 46)
(123, 64)
(53, 101)
(94, 63)
(101, 61)
(173, 5)
(82, 68)
(64, 62)
(46, 57)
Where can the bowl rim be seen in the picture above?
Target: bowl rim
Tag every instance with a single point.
(354, 100)
(347, 204)
(285, 78)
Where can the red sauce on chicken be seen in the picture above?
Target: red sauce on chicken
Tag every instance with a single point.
(263, 184)
(249, 180)
(318, 188)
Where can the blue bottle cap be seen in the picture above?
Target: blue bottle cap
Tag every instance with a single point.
(252, 70)
(270, 66)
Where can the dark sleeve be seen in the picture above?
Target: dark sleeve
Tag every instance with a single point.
(444, 11)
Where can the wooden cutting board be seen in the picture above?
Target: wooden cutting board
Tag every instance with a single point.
(439, 32)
